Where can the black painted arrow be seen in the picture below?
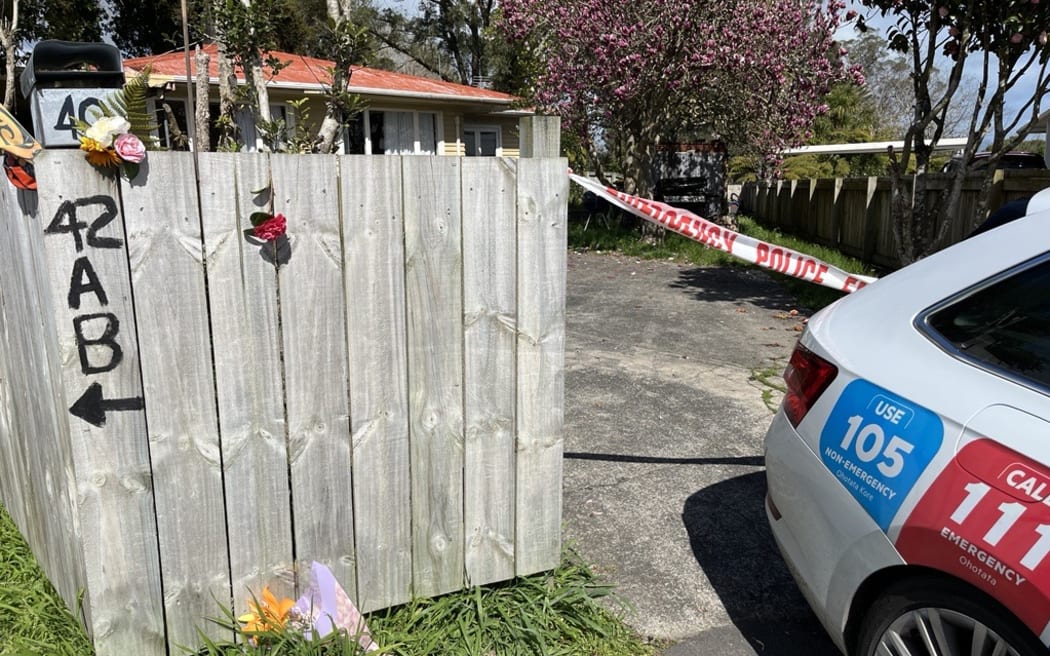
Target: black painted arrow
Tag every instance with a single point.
(92, 408)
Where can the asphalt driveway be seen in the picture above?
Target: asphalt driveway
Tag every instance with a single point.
(664, 480)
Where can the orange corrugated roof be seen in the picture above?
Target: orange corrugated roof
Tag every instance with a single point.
(303, 71)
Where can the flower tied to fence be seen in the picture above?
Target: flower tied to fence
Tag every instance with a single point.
(268, 227)
(109, 143)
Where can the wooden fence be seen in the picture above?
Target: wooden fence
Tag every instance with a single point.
(853, 214)
(182, 420)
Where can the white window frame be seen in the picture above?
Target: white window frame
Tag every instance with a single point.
(478, 128)
(439, 128)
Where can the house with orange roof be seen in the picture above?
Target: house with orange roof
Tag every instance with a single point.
(405, 114)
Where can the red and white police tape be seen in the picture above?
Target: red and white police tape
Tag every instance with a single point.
(764, 254)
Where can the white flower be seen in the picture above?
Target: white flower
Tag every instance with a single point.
(106, 128)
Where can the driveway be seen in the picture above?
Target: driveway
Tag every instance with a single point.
(664, 481)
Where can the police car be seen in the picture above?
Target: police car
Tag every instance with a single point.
(909, 464)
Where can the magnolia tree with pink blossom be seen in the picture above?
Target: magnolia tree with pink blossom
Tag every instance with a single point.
(1003, 44)
(642, 72)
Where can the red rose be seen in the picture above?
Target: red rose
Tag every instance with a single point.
(271, 228)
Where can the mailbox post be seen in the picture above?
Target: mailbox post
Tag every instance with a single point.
(64, 81)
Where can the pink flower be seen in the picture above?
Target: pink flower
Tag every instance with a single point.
(1017, 38)
(271, 228)
(130, 148)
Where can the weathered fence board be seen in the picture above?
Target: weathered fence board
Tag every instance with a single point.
(84, 238)
(35, 473)
(542, 191)
(434, 284)
(313, 324)
(373, 238)
(862, 225)
(165, 245)
(188, 413)
(490, 318)
(242, 283)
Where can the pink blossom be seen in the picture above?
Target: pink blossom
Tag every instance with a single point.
(1016, 37)
(272, 228)
(130, 148)
(942, 11)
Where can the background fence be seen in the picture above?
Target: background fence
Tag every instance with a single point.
(182, 420)
(853, 214)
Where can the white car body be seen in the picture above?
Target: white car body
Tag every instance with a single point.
(854, 506)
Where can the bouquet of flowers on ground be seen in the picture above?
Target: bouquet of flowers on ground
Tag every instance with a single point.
(323, 621)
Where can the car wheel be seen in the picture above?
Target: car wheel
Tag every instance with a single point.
(932, 616)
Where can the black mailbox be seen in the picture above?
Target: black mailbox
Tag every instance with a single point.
(64, 81)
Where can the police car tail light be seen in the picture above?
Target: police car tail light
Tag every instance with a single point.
(807, 376)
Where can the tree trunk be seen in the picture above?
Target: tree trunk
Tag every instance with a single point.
(227, 107)
(10, 45)
(256, 82)
(201, 117)
(339, 13)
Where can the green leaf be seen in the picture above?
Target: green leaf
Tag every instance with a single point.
(258, 218)
(261, 190)
(131, 170)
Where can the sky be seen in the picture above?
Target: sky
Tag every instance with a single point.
(1021, 92)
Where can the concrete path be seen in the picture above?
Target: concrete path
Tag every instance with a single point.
(664, 483)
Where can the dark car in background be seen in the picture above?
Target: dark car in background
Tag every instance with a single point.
(1011, 160)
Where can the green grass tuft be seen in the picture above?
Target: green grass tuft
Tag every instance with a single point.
(34, 621)
(555, 613)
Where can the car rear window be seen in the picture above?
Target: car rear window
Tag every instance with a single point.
(1005, 325)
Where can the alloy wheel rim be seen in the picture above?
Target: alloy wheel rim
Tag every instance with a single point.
(941, 632)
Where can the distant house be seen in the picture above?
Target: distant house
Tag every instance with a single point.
(405, 114)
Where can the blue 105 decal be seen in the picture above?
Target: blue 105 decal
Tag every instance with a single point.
(877, 445)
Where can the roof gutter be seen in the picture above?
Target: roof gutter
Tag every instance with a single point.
(393, 93)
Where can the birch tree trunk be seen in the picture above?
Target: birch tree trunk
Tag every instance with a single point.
(256, 81)
(227, 106)
(339, 13)
(201, 117)
(8, 29)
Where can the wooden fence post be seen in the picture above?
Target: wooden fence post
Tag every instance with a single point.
(871, 227)
(540, 136)
(836, 212)
(542, 223)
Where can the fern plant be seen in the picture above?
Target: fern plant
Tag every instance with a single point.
(130, 102)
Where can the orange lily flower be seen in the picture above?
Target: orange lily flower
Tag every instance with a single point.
(268, 616)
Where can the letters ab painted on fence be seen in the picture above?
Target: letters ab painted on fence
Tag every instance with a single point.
(877, 445)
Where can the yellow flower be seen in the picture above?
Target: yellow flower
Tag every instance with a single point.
(98, 154)
(268, 616)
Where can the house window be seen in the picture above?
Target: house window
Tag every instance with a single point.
(400, 133)
(354, 135)
(481, 140)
